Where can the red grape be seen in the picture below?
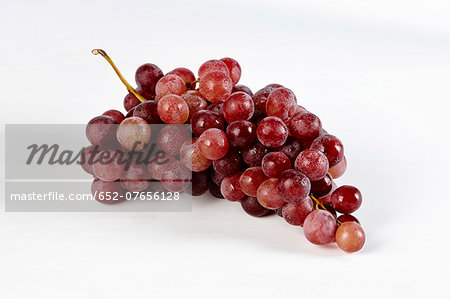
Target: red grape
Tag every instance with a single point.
(134, 133)
(195, 101)
(234, 69)
(214, 190)
(313, 163)
(243, 88)
(322, 187)
(175, 176)
(115, 114)
(217, 107)
(331, 146)
(87, 158)
(231, 189)
(251, 179)
(254, 154)
(305, 126)
(273, 164)
(320, 227)
(170, 84)
(241, 133)
(293, 186)
(291, 148)
(260, 98)
(346, 199)
(280, 103)
(155, 167)
(109, 165)
(339, 169)
(215, 86)
(130, 101)
(107, 192)
(148, 111)
(199, 184)
(217, 177)
(296, 213)
(101, 130)
(191, 157)
(350, 237)
(185, 74)
(238, 106)
(228, 164)
(213, 66)
(171, 138)
(213, 144)
(268, 196)
(272, 132)
(173, 109)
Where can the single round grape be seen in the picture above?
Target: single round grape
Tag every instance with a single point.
(171, 138)
(254, 154)
(217, 177)
(107, 192)
(217, 107)
(350, 237)
(185, 74)
(156, 165)
(135, 177)
(346, 199)
(251, 179)
(172, 109)
(147, 75)
(291, 148)
(101, 130)
(228, 164)
(199, 184)
(231, 189)
(331, 146)
(260, 98)
(241, 133)
(293, 186)
(213, 144)
(170, 84)
(313, 163)
(339, 169)
(322, 187)
(204, 120)
(214, 190)
(148, 111)
(296, 213)
(215, 86)
(327, 198)
(234, 68)
(251, 206)
(305, 126)
(87, 158)
(257, 117)
(195, 102)
(213, 65)
(108, 165)
(347, 217)
(268, 196)
(115, 114)
(134, 133)
(130, 101)
(238, 106)
(192, 158)
(280, 103)
(243, 88)
(272, 132)
(274, 163)
(320, 227)
(175, 176)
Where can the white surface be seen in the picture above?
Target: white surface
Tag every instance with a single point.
(376, 72)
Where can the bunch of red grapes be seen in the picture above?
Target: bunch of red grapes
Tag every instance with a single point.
(262, 150)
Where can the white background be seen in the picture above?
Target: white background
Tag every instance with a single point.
(376, 72)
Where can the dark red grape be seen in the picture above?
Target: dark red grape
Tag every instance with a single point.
(346, 199)
(254, 154)
(260, 98)
(147, 75)
(115, 114)
(217, 177)
(305, 126)
(322, 187)
(130, 101)
(347, 217)
(228, 164)
(148, 111)
(214, 190)
(204, 120)
(217, 107)
(243, 88)
(231, 189)
(101, 130)
(241, 133)
(199, 184)
(251, 206)
(291, 148)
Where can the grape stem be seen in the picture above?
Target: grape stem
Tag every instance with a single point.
(320, 204)
(127, 85)
(189, 84)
